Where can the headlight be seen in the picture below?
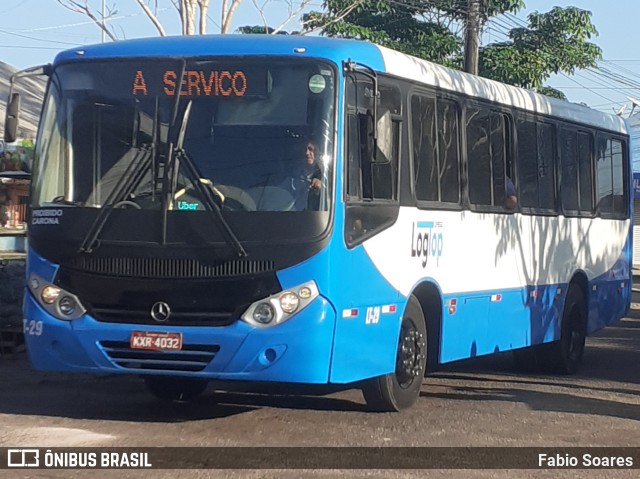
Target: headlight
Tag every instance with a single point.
(55, 300)
(67, 305)
(280, 307)
(264, 313)
(49, 294)
(289, 302)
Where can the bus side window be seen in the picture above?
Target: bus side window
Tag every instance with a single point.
(585, 173)
(610, 174)
(546, 156)
(569, 170)
(498, 157)
(479, 156)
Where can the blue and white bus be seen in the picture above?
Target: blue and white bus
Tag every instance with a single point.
(317, 211)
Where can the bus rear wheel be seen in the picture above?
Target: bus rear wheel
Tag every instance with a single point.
(400, 389)
(564, 356)
(168, 388)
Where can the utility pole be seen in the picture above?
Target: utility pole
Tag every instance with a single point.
(472, 34)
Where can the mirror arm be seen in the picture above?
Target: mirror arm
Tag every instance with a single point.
(366, 70)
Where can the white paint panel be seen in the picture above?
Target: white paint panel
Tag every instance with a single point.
(482, 251)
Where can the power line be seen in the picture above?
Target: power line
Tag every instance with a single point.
(27, 47)
(79, 24)
(595, 88)
(14, 7)
(36, 39)
(587, 88)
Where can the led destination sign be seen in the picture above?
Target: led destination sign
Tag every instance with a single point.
(207, 83)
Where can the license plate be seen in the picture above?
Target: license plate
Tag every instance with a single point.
(155, 341)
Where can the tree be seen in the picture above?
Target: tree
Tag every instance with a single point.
(187, 10)
(551, 43)
(293, 11)
(432, 30)
(83, 8)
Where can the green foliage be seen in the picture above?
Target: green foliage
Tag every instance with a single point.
(552, 92)
(425, 29)
(261, 29)
(553, 42)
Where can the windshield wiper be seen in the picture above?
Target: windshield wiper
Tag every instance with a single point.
(137, 167)
(205, 188)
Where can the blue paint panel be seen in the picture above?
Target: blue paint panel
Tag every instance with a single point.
(363, 350)
(38, 265)
(351, 280)
(319, 345)
(523, 317)
(301, 347)
(483, 326)
(610, 293)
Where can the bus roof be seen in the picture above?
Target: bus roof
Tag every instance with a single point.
(219, 45)
(379, 58)
(439, 76)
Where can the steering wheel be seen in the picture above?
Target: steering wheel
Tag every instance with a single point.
(125, 203)
(237, 199)
(233, 204)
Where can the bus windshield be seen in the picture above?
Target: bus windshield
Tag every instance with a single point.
(257, 135)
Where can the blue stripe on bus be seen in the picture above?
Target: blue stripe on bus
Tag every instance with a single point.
(425, 224)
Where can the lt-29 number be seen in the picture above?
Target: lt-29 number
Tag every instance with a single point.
(32, 327)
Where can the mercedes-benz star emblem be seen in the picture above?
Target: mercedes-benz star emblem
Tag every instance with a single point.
(160, 311)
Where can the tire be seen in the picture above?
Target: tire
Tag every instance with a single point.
(527, 359)
(399, 390)
(169, 388)
(564, 356)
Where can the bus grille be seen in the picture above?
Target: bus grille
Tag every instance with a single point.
(192, 358)
(119, 314)
(168, 267)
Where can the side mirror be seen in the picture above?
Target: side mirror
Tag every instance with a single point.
(12, 118)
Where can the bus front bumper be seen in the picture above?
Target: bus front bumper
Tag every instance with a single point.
(298, 350)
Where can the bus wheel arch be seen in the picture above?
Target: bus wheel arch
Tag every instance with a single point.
(565, 355)
(400, 389)
(431, 302)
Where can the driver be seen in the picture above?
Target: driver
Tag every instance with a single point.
(309, 181)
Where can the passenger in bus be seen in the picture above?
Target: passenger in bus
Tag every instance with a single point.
(510, 197)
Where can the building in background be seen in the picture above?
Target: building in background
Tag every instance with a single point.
(634, 124)
(16, 158)
(15, 177)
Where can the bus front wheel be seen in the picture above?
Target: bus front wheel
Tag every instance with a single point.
(169, 388)
(400, 389)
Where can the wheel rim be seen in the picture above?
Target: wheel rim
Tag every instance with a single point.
(411, 354)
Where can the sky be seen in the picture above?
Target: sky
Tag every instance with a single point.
(33, 31)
